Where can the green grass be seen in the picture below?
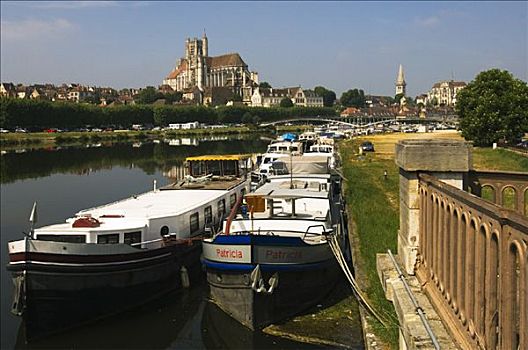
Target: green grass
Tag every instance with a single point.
(374, 206)
(499, 159)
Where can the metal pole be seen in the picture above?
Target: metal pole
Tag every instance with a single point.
(417, 307)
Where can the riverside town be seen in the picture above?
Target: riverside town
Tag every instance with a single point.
(336, 175)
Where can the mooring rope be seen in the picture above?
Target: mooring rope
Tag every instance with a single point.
(334, 245)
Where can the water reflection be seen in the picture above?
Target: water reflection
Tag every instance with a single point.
(148, 156)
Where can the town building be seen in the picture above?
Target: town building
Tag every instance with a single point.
(270, 97)
(400, 82)
(7, 90)
(444, 93)
(199, 70)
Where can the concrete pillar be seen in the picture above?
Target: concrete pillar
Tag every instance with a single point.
(447, 160)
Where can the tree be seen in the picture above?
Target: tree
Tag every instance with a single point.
(236, 98)
(148, 95)
(398, 97)
(265, 84)
(328, 96)
(172, 97)
(286, 103)
(493, 107)
(353, 98)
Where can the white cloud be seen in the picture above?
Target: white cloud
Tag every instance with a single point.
(34, 28)
(428, 22)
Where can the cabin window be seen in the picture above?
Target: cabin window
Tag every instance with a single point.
(221, 208)
(208, 215)
(63, 238)
(132, 237)
(195, 222)
(232, 200)
(108, 239)
(164, 230)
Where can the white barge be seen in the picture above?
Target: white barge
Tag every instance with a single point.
(116, 256)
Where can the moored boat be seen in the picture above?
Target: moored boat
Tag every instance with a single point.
(273, 257)
(112, 257)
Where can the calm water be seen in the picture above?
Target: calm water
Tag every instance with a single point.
(69, 179)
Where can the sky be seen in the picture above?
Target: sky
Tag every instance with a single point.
(339, 45)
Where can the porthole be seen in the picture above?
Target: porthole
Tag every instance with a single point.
(164, 230)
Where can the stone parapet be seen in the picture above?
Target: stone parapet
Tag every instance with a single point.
(448, 161)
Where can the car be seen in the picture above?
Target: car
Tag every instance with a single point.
(367, 146)
(523, 144)
(20, 130)
(3, 131)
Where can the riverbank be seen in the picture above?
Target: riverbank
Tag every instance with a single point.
(43, 139)
(373, 204)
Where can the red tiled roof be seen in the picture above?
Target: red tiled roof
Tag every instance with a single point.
(178, 70)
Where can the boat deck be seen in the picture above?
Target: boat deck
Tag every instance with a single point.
(225, 183)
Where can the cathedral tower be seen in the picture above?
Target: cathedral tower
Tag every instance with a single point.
(205, 45)
(400, 82)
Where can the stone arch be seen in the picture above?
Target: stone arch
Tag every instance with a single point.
(526, 202)
(488, 193)
(492, 291)
(509, 197)
(512, 313)
(470, 273)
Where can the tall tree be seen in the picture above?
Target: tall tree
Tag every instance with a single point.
(328, 96)
(286, 102)
(265, 84)
(353, 98)
(148, 95)
(492, 107)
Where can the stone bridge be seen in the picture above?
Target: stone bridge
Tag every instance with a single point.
(468, 255)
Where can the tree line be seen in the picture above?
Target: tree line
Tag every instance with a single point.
(44, 114)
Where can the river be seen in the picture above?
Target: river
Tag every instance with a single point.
(65, 180)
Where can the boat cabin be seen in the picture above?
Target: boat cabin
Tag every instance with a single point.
(181, 210)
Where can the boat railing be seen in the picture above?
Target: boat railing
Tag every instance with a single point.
(324, 232)
(147, 242)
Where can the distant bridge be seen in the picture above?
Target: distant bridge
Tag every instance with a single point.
(355, 122)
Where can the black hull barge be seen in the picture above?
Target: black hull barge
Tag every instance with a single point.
(117, 256)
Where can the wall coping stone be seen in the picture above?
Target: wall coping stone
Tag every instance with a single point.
(434, 155)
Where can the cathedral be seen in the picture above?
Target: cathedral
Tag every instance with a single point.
(211, 78)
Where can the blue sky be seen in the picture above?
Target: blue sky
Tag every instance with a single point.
(339, 45)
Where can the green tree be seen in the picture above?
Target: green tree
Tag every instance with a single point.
(492, 107)
(398, 97)
(353, 98)
(236, 98)
(265, 84)
(328, 96)
(172, 97)
(148, 95)
(286, 103)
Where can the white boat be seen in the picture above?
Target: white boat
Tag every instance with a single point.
(112, 257)
(277, 150)
(273, 257)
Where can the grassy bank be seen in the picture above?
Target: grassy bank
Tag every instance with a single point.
(373, 204)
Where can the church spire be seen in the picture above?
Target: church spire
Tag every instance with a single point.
(400, 82)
